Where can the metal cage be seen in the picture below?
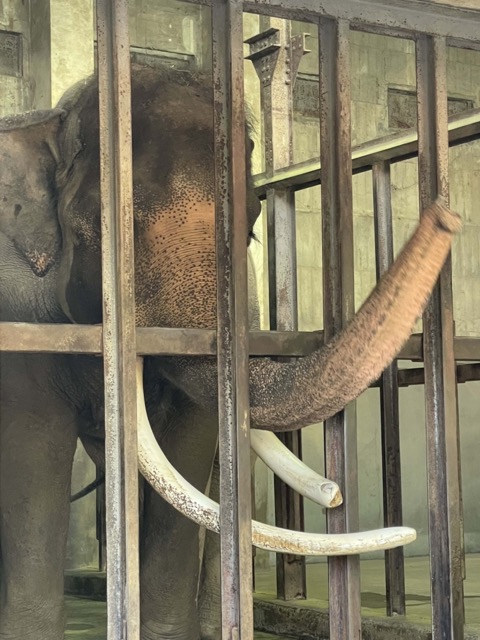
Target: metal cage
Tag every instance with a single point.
(432, 28)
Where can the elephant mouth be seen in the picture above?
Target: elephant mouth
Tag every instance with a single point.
(287, 396)
(178, 492)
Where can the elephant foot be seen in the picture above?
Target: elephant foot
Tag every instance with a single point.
(166, 631)
(211, 634)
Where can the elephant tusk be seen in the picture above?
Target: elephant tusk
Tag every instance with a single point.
(293, 471)
(166, 480)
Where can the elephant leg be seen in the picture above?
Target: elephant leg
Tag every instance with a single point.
(38, 439)
(170, 542)
(209, 597)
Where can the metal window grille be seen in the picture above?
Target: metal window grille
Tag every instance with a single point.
(432, 28)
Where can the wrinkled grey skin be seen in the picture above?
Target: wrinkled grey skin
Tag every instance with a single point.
(47, 401)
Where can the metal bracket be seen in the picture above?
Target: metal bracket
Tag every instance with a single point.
(264, 51)
(298, 49)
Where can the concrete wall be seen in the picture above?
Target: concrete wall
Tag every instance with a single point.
(15, 90)
(62, 38)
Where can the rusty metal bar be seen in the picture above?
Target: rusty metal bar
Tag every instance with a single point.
(232, 324)
(67, 338)
(338, 295)
(393, 148)
(405, 17)
(390, 420)
(464, 373)
(291, 574)
(441, 405)
(121, 472)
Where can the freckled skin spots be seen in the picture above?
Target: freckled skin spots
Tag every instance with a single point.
(173, 197)
(175, 277)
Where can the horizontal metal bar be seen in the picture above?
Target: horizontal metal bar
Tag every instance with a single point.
(459, 25)
(465, 373)
(66, 338)
(50, 338)
(468, 372)
(466, 348)
(405, 16)
(74, 338)
(404, 19)
(394, 148)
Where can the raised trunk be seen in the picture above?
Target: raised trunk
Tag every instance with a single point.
(320, 385)
(287, 396)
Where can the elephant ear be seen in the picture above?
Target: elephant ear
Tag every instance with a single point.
(29, 159)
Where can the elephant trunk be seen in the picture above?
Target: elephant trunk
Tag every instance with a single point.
(286, 396)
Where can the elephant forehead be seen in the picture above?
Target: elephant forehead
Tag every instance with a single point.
(187, 197)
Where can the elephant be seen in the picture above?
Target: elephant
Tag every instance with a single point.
(51, 272)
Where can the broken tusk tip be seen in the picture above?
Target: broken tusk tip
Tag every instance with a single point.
(332, 489)
(337, 500)
(447, 219)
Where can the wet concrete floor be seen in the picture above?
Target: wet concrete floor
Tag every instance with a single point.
(417, 588)
(87, 618)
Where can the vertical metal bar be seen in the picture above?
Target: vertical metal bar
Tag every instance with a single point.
(289, 514)
(121, 479)
(444, 489)
(338, 287)
(291, 574)
(277, 103)
(232, 324)
(392, 472)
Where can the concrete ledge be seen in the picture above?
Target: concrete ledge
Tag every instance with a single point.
(87, 584)
(303, 619)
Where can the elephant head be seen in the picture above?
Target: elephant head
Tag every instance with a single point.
(173, 192)
(175, 279)
(28, 162)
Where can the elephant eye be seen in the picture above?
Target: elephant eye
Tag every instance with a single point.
(16, 210)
